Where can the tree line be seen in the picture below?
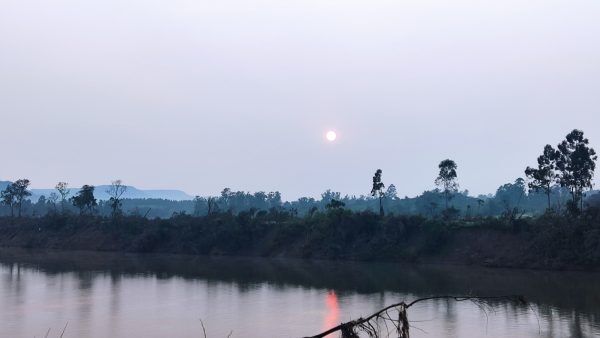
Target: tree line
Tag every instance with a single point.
(570, 166)
(558, 183)
(15, 194)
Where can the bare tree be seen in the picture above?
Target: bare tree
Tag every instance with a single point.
(115, 191)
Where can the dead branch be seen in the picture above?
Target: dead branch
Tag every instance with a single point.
(350, 329)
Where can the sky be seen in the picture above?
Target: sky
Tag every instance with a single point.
(202, 95)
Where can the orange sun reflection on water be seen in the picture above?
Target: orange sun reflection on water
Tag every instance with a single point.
(332, 317)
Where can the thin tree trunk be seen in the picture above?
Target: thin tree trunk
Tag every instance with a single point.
(446, 197)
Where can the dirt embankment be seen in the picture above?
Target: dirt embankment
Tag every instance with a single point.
(396, 239)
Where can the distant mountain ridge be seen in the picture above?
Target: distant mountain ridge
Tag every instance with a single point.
(100, 193)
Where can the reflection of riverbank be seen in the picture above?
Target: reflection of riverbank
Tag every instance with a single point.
(332, 318)
(134, 292)
(566, 291)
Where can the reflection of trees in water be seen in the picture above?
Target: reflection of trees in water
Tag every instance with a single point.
(85, 287)
(115, 302)
(575, 327)
(450, 317)
(573, 295)
(13, 282)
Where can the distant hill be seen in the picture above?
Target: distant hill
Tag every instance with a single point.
(100, 193)
(131, 193)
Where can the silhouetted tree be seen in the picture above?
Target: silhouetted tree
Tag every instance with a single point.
(391, 192)
(63, 191)
(377, 190)
(52, 199)
(335, 204)
(446, 179)
(40, 207)
(576, 162)
(115, 191)
(274, 199)
(85, 200)
(20, 192)
(480, 203)
(8, 198)
(211, 204)
(198, 206)
(510, 196)
(542, 177)
(225, 198)
(329, 195)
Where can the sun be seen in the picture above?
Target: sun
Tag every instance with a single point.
(331, 136)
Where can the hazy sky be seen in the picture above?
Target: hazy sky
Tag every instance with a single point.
(200, 95)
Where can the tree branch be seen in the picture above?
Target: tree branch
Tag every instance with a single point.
(402, 322)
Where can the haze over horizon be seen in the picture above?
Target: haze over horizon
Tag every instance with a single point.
(198, 96)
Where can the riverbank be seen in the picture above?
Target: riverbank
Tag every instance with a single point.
(549, 242)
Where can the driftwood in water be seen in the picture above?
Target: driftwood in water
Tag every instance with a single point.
(368, 324)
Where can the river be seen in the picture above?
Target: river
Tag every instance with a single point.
(90, 294)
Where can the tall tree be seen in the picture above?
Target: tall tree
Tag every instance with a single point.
(20, 192)
(542, 177)
(446, 179)
(576, 162)
(116, 191)
(377, 190)
(198, 205)
(211, 205)
(85, 200)
(64, 191)
(8, 198)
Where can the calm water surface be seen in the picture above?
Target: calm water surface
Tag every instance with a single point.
(115, 295)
